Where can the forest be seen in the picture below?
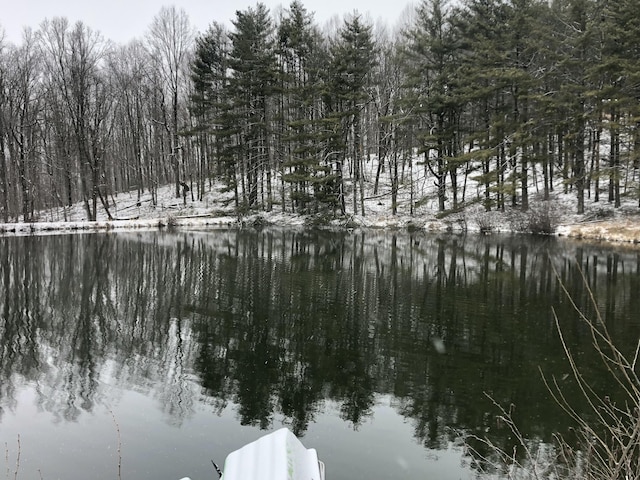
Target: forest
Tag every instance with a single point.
(487, 97)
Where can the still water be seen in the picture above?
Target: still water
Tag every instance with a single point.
(147, 355)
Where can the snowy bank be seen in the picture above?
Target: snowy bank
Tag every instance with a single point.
(601, 222)
(625, 230)
(622, 229)
(38, 228)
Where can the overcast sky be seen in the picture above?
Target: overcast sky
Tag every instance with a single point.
(123, 20)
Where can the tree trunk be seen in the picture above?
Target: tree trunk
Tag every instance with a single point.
(393, 172)
(4, 186)
(614, 159)
(579, 168)
(524, 179)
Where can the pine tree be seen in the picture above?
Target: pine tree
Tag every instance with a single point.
(304, 146)
(251, 89)
(431, 58)
(352, 60)
(619, 73)
(544, 117)
(482, 27)
(577, 51)
(525, 74)
(208, 75)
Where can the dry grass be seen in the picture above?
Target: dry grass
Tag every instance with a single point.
(622, 230)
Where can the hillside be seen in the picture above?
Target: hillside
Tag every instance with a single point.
(601, 222)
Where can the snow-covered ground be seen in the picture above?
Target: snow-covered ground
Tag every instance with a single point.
(601, 222)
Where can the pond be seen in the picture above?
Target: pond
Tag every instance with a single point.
(147, 355)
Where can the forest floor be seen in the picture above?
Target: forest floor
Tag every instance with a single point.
(600, 223)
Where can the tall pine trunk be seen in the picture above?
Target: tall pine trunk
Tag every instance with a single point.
(579, 167)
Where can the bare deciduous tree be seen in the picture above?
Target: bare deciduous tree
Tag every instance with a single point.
(73, 58)
(4, 193)
(21, 119)
(170, 40)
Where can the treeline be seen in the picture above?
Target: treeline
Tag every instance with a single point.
(487, 97)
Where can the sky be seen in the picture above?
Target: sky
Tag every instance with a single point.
(124, 20)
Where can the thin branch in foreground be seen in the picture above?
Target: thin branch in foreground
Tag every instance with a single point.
(610, 448)
(119, 445)
(15, 475)
(536, 464)
(607, 442)
(6, 459)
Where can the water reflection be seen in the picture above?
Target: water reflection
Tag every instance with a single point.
(280, 323)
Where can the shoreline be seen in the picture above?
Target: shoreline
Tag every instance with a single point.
(623, 231)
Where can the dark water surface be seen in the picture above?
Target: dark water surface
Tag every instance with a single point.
(375, 348)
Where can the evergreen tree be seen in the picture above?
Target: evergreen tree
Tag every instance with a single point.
(208, 75)
(619, 73)
(304, 146)
(525, 73)
(352, 60)
(577, 54)
(542, 63)
(251, 89)
(482, 26)
(432, 57)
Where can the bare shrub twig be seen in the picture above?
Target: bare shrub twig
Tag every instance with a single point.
(119, 444)
(607, 445)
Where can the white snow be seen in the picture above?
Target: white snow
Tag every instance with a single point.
(601, 222)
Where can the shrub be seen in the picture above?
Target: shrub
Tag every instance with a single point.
(172, 221)
(259, 222)
(321, 219)
(412, 227)
(601, 213)
(485, 223)
(540, 220)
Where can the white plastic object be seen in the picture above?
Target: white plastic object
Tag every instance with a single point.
(276, 456)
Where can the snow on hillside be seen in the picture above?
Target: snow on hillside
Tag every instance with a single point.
(601, 222)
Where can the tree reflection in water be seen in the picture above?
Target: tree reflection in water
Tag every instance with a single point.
(277, 324)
